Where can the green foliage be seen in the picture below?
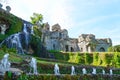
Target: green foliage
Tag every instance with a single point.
(82, 58)
(110, 49)
(75, 77)
(74, 57)
(103, 59)
(13, 57)
(37, 47)
(15, 24)
(68, 77)
(53, 51)
(114, 48)
(36, 18)
(88, 58)
(59, 55)
(95, 58)
(23, 76)
(108, 58)
(15, 27)
(37, 31)
(2, 37)
(116, 60)
(8, 75)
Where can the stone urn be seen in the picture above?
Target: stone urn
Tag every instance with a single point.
(8, 8)
(1, 5)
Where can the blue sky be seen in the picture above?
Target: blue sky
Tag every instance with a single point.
(98, 17)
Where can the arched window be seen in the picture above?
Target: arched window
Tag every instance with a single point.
(0, 29)
(81, 49)
(72, 50)
(66, 48)
(53, 46)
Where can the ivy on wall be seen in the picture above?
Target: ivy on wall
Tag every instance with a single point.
(15, 23)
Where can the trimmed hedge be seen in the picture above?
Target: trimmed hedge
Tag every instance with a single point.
(64, 77)
(66, 69)
(95, 58)
(13, 57)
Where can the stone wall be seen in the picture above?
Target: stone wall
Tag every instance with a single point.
(58, 39)
(88, 43)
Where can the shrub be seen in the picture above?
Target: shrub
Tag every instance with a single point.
(88, 58)
(95, 58)
(15, 23)
(116, 59)
(74, 57)
(69, 77)
(37, 47)
(115, 48)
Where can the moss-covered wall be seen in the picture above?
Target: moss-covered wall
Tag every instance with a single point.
(38, 48)
(15, 23)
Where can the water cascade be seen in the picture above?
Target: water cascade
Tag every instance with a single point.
(5, 64)
(16, 40)
(72, 70)
(26, 33)
(13, 41)
(32, 31)
(56, 69)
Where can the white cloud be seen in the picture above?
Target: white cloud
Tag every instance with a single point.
(54, 11)
(78, 16)
(60, 13)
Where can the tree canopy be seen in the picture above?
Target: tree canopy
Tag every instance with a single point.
(115, 48)
(36, 18)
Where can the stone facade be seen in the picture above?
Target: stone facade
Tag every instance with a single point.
(88, 43)
(58, 39)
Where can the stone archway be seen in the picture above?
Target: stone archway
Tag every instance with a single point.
(0, 29)
(72, 49)
(53, 46)
(66, 48)
(81, 49)
(102, 49)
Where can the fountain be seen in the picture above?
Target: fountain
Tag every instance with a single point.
(33, 65)
(94, 71)
(111, 72)
(56, 69)
(84, 71)
(18, 40)
(13, 41)
(5, 64)
(103, 72)
(72, 70)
